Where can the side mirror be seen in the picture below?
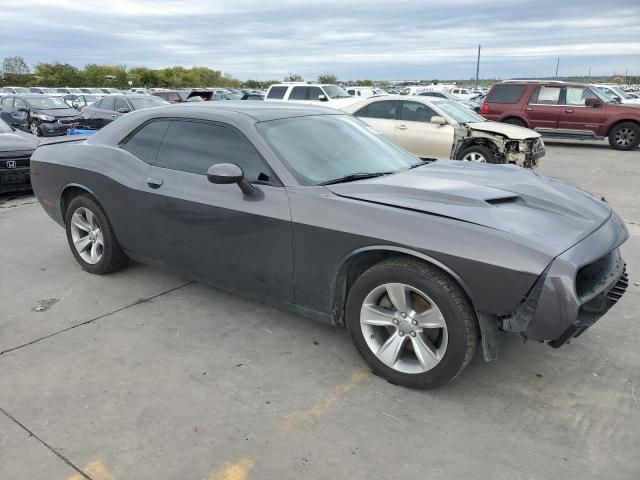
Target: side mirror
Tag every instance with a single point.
(592, 102)
(323, 98)
(123, 110)
(438, 120)
(227, 173)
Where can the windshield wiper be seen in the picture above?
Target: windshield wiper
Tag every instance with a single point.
(355, 176)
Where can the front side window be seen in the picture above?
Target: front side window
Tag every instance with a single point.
(277, 92)
(416, 112)
(121, 105)
(194, 147)
(385, 109)
(322, 148)
(145, 143)
(107, 103)
(546, 96)
(578, 95)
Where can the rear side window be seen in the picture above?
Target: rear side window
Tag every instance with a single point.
(506, 93)
(299, 93)
(194, 147)
(277, 92)
(145, 143)
(385, 109)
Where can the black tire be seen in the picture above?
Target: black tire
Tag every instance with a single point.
(113, 257)
(624, 136)
(479, 150)
(461, 325)
(514, 121)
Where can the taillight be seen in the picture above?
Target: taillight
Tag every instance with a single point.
(485, 109)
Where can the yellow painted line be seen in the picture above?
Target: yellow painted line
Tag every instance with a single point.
(96, 470)
(305, 417)
(233, 471)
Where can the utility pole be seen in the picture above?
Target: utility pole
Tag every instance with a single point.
(557, 66)
(478, 67)
(589, 72)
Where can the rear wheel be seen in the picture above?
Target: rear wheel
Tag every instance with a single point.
(477, 154)
(91, 238)
(411, 323)
(624, 136)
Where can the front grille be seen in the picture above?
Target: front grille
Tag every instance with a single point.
(20, 158)
(619, 288)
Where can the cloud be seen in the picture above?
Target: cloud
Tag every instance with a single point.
(352, 39)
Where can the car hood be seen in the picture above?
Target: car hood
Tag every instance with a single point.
(17, 141)
(540, 210)
(59, 112)
(511, 131)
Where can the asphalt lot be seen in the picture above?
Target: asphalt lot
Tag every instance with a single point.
(143, 375)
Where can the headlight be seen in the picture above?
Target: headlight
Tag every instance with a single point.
(44, 118)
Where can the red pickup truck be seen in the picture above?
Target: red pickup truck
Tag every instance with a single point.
(564, 110)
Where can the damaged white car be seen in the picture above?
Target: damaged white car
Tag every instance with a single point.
(433, 128)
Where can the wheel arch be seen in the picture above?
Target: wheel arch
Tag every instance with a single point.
(619, 121)
(482, 141)
(69, 192)
(515, 117)
(358, 261)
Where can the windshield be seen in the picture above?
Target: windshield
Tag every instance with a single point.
(21, 90)
(459, 112)
(48, 103)
(147, 102)
(334, 91)
(4, 128)
(91, 98)
(319, 149)
(75, 90)
(604, 94)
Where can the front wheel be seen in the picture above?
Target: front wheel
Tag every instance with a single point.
(91, 238)
(477, 154)
(411, 323)
(625, 136)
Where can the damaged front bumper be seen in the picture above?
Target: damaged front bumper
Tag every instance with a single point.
(525, 153)
(575, 290)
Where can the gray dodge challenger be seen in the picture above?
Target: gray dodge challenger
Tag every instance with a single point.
(309, 209)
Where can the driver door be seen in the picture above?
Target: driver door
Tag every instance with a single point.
(237, 241)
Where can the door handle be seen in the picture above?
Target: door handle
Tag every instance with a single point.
(569, 110)
(529, 109)
(154, 182)
(402, 127)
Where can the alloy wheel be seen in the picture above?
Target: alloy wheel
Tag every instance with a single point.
(34, 129)
(625, 137)
(474, 157)
(404, 328)
(86, 234)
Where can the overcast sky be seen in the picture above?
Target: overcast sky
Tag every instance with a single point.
(399, 39)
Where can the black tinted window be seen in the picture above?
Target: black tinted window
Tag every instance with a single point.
(107, 103)
(507, 93)
(416, 112)
(277, 92)
(299, 93)
(194, 147)
(145, 142)
(385, 109)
